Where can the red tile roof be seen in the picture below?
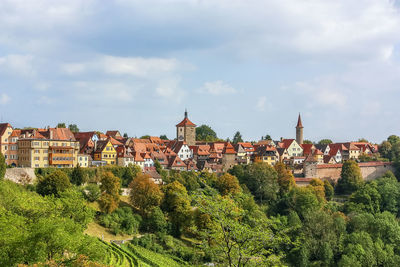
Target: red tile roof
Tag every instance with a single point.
(3, 128)
(186, 122)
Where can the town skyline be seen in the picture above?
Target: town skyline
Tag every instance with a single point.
(62, 61)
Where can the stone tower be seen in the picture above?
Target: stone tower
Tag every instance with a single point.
(186, 131)
(299, 131)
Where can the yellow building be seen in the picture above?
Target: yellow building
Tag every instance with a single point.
(267, 154)
(105, 152)
(40, 153)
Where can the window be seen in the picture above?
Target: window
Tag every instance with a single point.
(36, 165)
(35, 143)
(37, 151)
(5, 147)
(5, 156)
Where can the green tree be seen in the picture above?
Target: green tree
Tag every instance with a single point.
(228, 184)
(262, 181)
(163, 137)
(125, 135)
(285, 178)
(205, 133)
(155, 222)
(92, 192)
(366, 198)
(350, 179)
(362, 140)
(110, 197)
(145, 136)
(177, 204)
(307, 142)
(145, 194)
(230, 240)
(3, 166)
(385, 149)
(237, 138)
(303, 200)
(78, 176)
(325, 142)
(61, 125)
(53, 184)
(329, 191)
(266, 137)
(73, 127)
(393, 139)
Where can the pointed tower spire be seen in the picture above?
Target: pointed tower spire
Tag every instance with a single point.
(299, 124)
(186, 113)
(299, 131)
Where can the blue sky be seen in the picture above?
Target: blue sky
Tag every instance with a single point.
(235, 65)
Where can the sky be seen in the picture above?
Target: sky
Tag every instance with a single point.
(236, 65)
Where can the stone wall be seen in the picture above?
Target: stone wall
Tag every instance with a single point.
(369, 170)
(21, 175)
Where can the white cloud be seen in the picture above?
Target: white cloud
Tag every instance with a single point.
(17, 64)
(104, 92)
(217, 88)
(4, 99)
(170, 90)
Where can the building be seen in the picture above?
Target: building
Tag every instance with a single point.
(267, 154)
(293, 148)
(186, 131)
(55, 147)
(299, 131)
(84, 160)
(5, 134)
(181, 149)
(106, 152)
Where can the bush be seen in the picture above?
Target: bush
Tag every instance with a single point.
(92, 192)
(155, 222)
(122, 220)
(53, 184)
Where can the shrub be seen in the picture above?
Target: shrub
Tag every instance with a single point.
(122, 220)
(53, 184)
(92, 192)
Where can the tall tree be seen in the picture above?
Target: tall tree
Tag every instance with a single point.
(125, 135)
(78, 176)
(73, 127)
(266, 137)
(325, 142)
(145, 194)
(285, 178)
(3, 166)
(61, 125)
(237, 138)
(110, 197)
(393, 139)
(177, 204)
(205, 133)
(350, 179)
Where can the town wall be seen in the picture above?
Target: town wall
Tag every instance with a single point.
(369, 170)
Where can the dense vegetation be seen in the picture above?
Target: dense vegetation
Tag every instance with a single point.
(254, 215)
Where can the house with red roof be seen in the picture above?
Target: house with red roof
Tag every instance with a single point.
(5, 133)
(292, 147)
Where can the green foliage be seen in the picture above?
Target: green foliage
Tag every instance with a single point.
(307, 142)
(325, 142)
(350, 179)
(37, 229)
(61, 125)
(237, 138)
(110, 197)
(77, 176)
(145, 194)
(92, 192)
(121, 220)
(261, 179)
(163, 137)
(3, 166)
(366, 198)
(205, 133)
(228, 184)
(145, 136)
(266, 137)
(362, 140)
(177, 204)
(53, 184)
(155, 222)
(73, 127)
(329, 191)
(303, 199)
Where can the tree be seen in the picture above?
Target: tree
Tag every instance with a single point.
(163, 137)
(285, 178)
(78, 176)
(319, 189)
(393, 139)
(363, 140)
(350, 179)
(3, 166)
(307, 142)
(231, 240)
(262, 181)
(329, 191)
(53, 184)
(266, 137)
(61, 125)
(155, 221)
(92, 192)
(73, 127)
(325, 142)
(145, 136)
(385, 149)
(177, 204)
(303, 200)
(366, 198)
(237, 138)
(145, 194)
(228, 184)
(158, 166)
(125, 135)
(110, 197)
(205, 133)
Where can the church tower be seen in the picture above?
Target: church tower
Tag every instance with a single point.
(299, 131)
(186, 131)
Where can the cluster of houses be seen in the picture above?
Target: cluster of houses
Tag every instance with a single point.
(59, 147)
